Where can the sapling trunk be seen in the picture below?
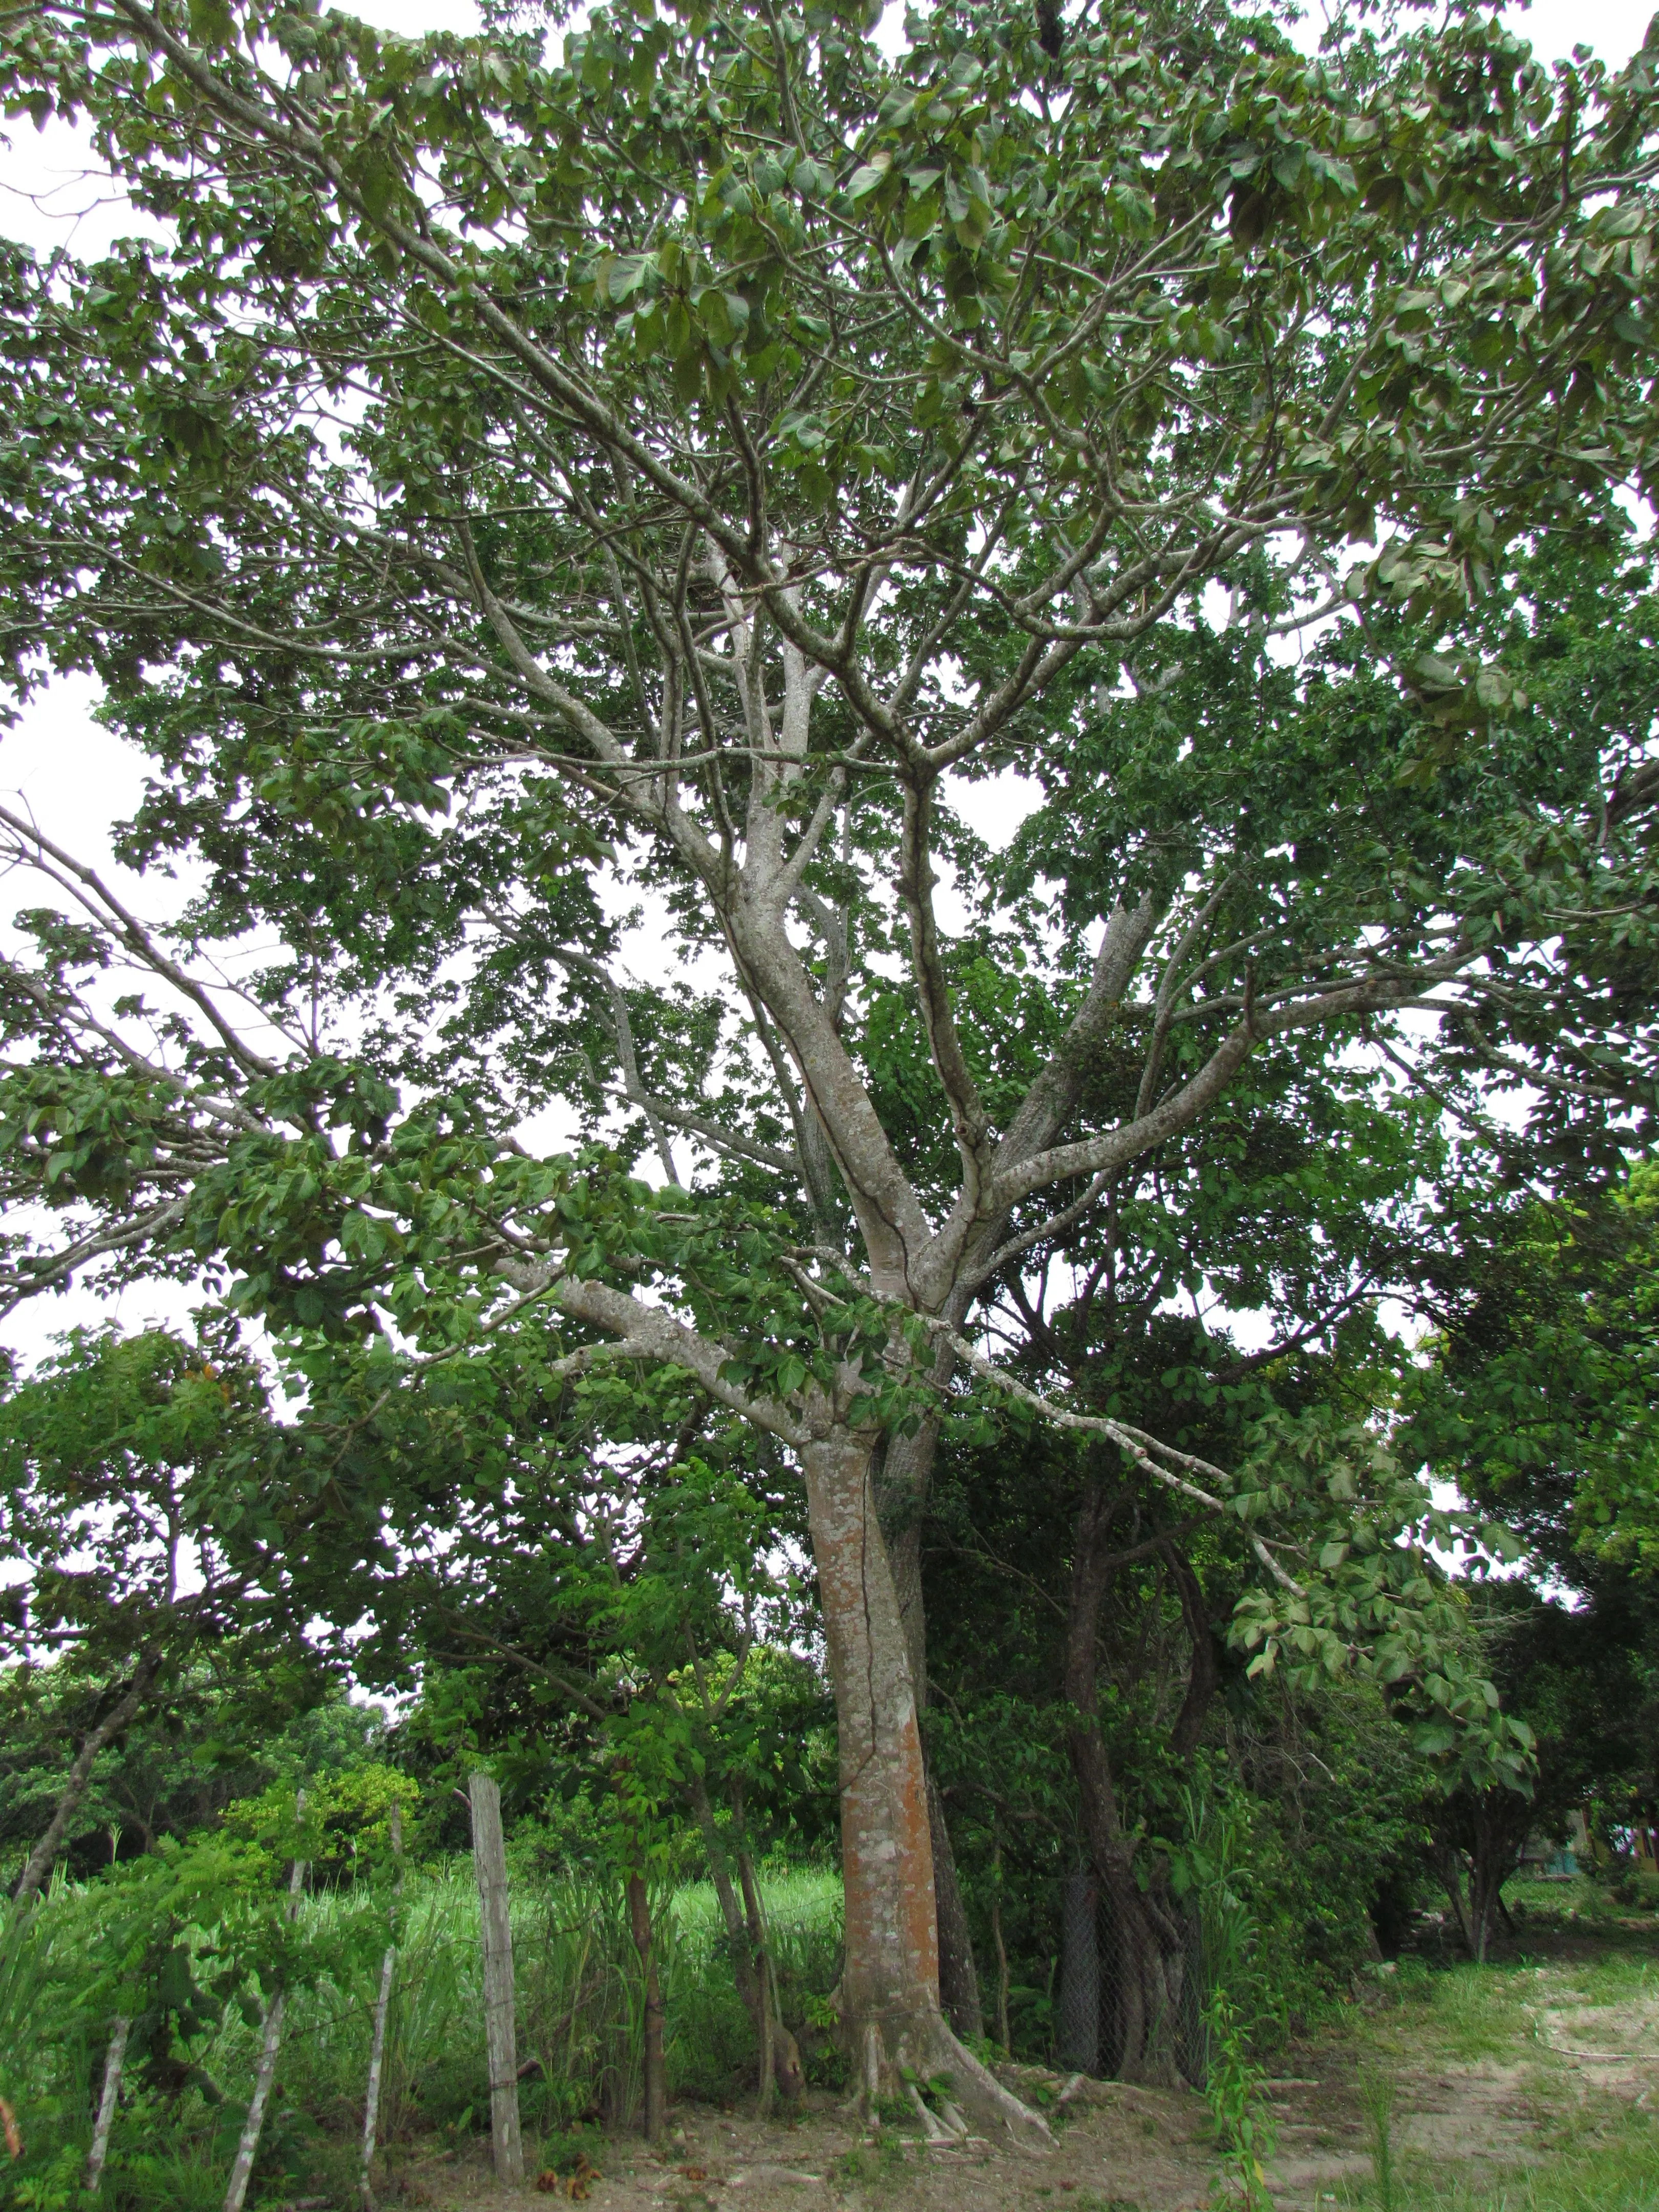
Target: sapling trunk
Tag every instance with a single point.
(37, 1865)
(114, 2059)
(750, 1947)
(500, 2030)
(382, 2007)
(656, 2086)
(779, 2048)
(248, 2148)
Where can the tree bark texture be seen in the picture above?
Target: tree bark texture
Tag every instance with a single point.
(656, 2079)
(39, 1862)
(890, 2012)
(892, 1942)
(495, 1933)
(905, 1478)
(115, 2060)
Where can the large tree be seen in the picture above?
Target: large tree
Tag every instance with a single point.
(665, 461)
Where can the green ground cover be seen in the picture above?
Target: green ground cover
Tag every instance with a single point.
(1558, 2037)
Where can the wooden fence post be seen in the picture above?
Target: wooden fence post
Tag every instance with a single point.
(500, 2034)
(383, 2006)
(248, 2148)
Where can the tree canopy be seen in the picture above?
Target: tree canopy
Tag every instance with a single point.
(660, 464)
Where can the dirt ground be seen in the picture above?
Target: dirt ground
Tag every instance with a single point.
(1122, 2148)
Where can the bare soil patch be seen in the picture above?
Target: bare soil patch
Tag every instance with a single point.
(1463, 2109)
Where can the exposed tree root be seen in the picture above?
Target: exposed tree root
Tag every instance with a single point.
(893, 2055)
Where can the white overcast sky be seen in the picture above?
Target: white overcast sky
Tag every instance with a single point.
(78, 780)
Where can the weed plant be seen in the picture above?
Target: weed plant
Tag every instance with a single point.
(1378, 2091)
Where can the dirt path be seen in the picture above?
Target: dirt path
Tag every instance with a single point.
(1478, 2068)
(1479, 2112)
(1119, 2150)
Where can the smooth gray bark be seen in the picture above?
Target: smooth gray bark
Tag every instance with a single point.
(114, 2059)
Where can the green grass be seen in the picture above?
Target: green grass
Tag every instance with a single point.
(1595, 2152)
(579, 2020)
(1602, 2161)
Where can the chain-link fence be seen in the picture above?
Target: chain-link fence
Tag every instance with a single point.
(1126, 2005)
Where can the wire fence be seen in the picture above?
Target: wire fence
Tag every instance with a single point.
(1127, 2008)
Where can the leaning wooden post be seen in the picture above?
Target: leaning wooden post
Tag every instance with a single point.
(500, 2034)
(248, 2149)
(114, 2059)
(383, 2005)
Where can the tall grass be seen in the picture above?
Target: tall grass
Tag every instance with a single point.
(580, 2031)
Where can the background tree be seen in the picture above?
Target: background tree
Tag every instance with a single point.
(147, 1519)
(228, 1722)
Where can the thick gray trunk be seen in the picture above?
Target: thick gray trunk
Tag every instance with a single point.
(906, 1476)
(890, 2011)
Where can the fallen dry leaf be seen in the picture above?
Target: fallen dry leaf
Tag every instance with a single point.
(577, 2184)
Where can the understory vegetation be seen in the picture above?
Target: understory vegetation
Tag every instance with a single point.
(580, 2030)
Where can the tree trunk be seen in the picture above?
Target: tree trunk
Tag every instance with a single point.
(1204, 1673)
(778, 2046)
(1146, 1945)
(906, 1476)
(1501, 1822)
(114, 2059)
(1148, 1963)
(39, 1863)
(1451, 1873)
(496, 1932)
(1001, 1952)
(1078, 2039)
(656, 2081)
(890, 1993)
(958, 1976)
